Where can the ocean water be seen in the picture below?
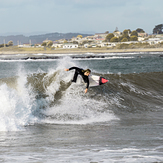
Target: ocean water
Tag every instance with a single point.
(45, 118)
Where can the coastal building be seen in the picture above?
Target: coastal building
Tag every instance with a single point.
(30, 46)
(141, 39)
(70, 46)
(88, 38)
(100, 35)
(160, 36)
(117, 34)
(25, 46)
(90, 45)
(153, 41)
(76, 39)
(142, 35)
(108, 44)
(57, 45)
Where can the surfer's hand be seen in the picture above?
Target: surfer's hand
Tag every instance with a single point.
(66, 69)
(86, 90)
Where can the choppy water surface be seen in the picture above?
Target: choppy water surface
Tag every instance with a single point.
(45, 118)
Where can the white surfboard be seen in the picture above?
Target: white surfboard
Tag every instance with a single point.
(95, 80)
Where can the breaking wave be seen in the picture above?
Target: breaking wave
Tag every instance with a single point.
(50, 97)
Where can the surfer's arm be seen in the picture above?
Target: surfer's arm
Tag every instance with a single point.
(71, 68)
(76, 68)
(87, 85)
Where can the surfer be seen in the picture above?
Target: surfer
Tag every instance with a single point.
(83, 73)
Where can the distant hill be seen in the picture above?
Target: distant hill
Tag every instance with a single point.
(39, 38)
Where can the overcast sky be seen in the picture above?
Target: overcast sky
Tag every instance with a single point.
(46, 16)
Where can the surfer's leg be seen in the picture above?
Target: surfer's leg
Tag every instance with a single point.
(75, 77)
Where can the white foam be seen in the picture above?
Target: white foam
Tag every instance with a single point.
(16, 106)
(77, 108)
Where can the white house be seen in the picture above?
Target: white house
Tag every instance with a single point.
(57, 45)
(108, 44)
(141, 38)
(70, 46)
(152, 41)
(25, 46)
(100, 35)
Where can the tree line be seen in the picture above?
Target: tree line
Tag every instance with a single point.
(126, 35)
(158, 29)
(10, 43)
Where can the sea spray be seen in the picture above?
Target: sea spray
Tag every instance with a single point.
(52, 81)
(16, 105)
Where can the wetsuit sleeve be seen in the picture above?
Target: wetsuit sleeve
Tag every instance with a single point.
(76, 68)
(87, 82)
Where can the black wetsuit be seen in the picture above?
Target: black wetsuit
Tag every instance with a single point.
(80, 71)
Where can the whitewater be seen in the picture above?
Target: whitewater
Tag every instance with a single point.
(46, 118)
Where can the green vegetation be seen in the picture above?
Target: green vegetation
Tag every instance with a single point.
(133, 38)
(10, 43)
(138, 46)
(127, 35)
(114, 39)
(109, 37)
(158, 29)
(124, 40)
(43, 44)
(80, 36)
(50, 43)
(134, 33)
(139, 30)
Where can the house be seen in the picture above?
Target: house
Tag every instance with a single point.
(142, 35)
(86, 45)
(39, 46)
(78, 38)
(90, 38)
(70, 46)
(25, 46)
(108, 44)
(57, 45)
(153, 41)
(141, 38)
(100, 35)
(117, 34)
(90, 45)
(61, 41)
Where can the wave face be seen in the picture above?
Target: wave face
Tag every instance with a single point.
(137, 92)
(50, 97)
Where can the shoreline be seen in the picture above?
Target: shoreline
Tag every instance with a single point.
(73, 53)
(79, 51)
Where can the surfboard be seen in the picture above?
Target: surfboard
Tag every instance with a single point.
(95, 80)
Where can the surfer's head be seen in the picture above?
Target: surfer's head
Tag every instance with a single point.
(87, 72)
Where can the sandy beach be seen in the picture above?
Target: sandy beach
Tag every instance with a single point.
(20, 54)
(77, 51)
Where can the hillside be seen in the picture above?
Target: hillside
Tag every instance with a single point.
(39, 38)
